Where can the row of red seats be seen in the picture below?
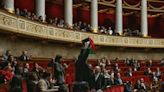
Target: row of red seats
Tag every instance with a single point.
(141, 68)
(135, 78)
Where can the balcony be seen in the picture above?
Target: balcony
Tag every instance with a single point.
(19, 25)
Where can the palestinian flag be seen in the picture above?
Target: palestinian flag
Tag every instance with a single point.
(89, 44)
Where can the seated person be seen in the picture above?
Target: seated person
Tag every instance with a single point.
(143, 85)
(154, 78)
(162, 62)
(128, 87)
(140, 86)
(24, 56)
(6, 56)
(136, 65)
(37, 69)
(149, 63)
(118, 80)
(116, 68)
(148, 71)
(44, 84)
(129, 73)
(111, 81)
(99, 79)
(158, 73)
(26, 70)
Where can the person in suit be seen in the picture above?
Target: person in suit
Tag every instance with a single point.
(118, 80)
(148, 71)
(158, 73)
(6, 56)
(24, 56)
(82, 70)
(143, 85)
(140, 86)
(59, 73)
(137, 86)
(99, 79)
(128, 87)
(129, 73)
(116, 68)
(44, 84)
(37, 69)
(162, 62)
(111, 81)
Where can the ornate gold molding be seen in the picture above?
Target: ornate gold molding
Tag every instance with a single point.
(20, 25)
(132, 7)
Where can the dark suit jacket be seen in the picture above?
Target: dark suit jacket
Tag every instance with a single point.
(117, 82)
(31, 86)
(24, 58)
(83, 72)
(128, 88)
(100, 82)
(128, 74)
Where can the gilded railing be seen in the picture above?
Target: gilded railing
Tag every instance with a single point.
(22, 26)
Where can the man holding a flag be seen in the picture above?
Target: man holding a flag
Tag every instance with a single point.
(83, 71)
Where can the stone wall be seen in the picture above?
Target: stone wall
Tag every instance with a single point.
(48, 49)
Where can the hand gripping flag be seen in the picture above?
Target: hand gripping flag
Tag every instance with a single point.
(89, 44)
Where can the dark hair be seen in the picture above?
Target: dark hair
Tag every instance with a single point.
(57, 58)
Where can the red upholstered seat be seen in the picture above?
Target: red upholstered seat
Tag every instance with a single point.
(146, 79)
(153, 69)
(143, 64)
(68, 80)
(131, 79)
(137, 73)
(162, 77)
(121, 64)
(162, 69)
(24, 86)
(124, 68)
(3, 89)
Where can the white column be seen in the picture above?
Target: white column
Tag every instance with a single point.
(119, 24)
(144, 25)
(94, 15)
(9, 5)
(40, 9)
(68, 12)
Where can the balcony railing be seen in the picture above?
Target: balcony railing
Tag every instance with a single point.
(16, 24)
